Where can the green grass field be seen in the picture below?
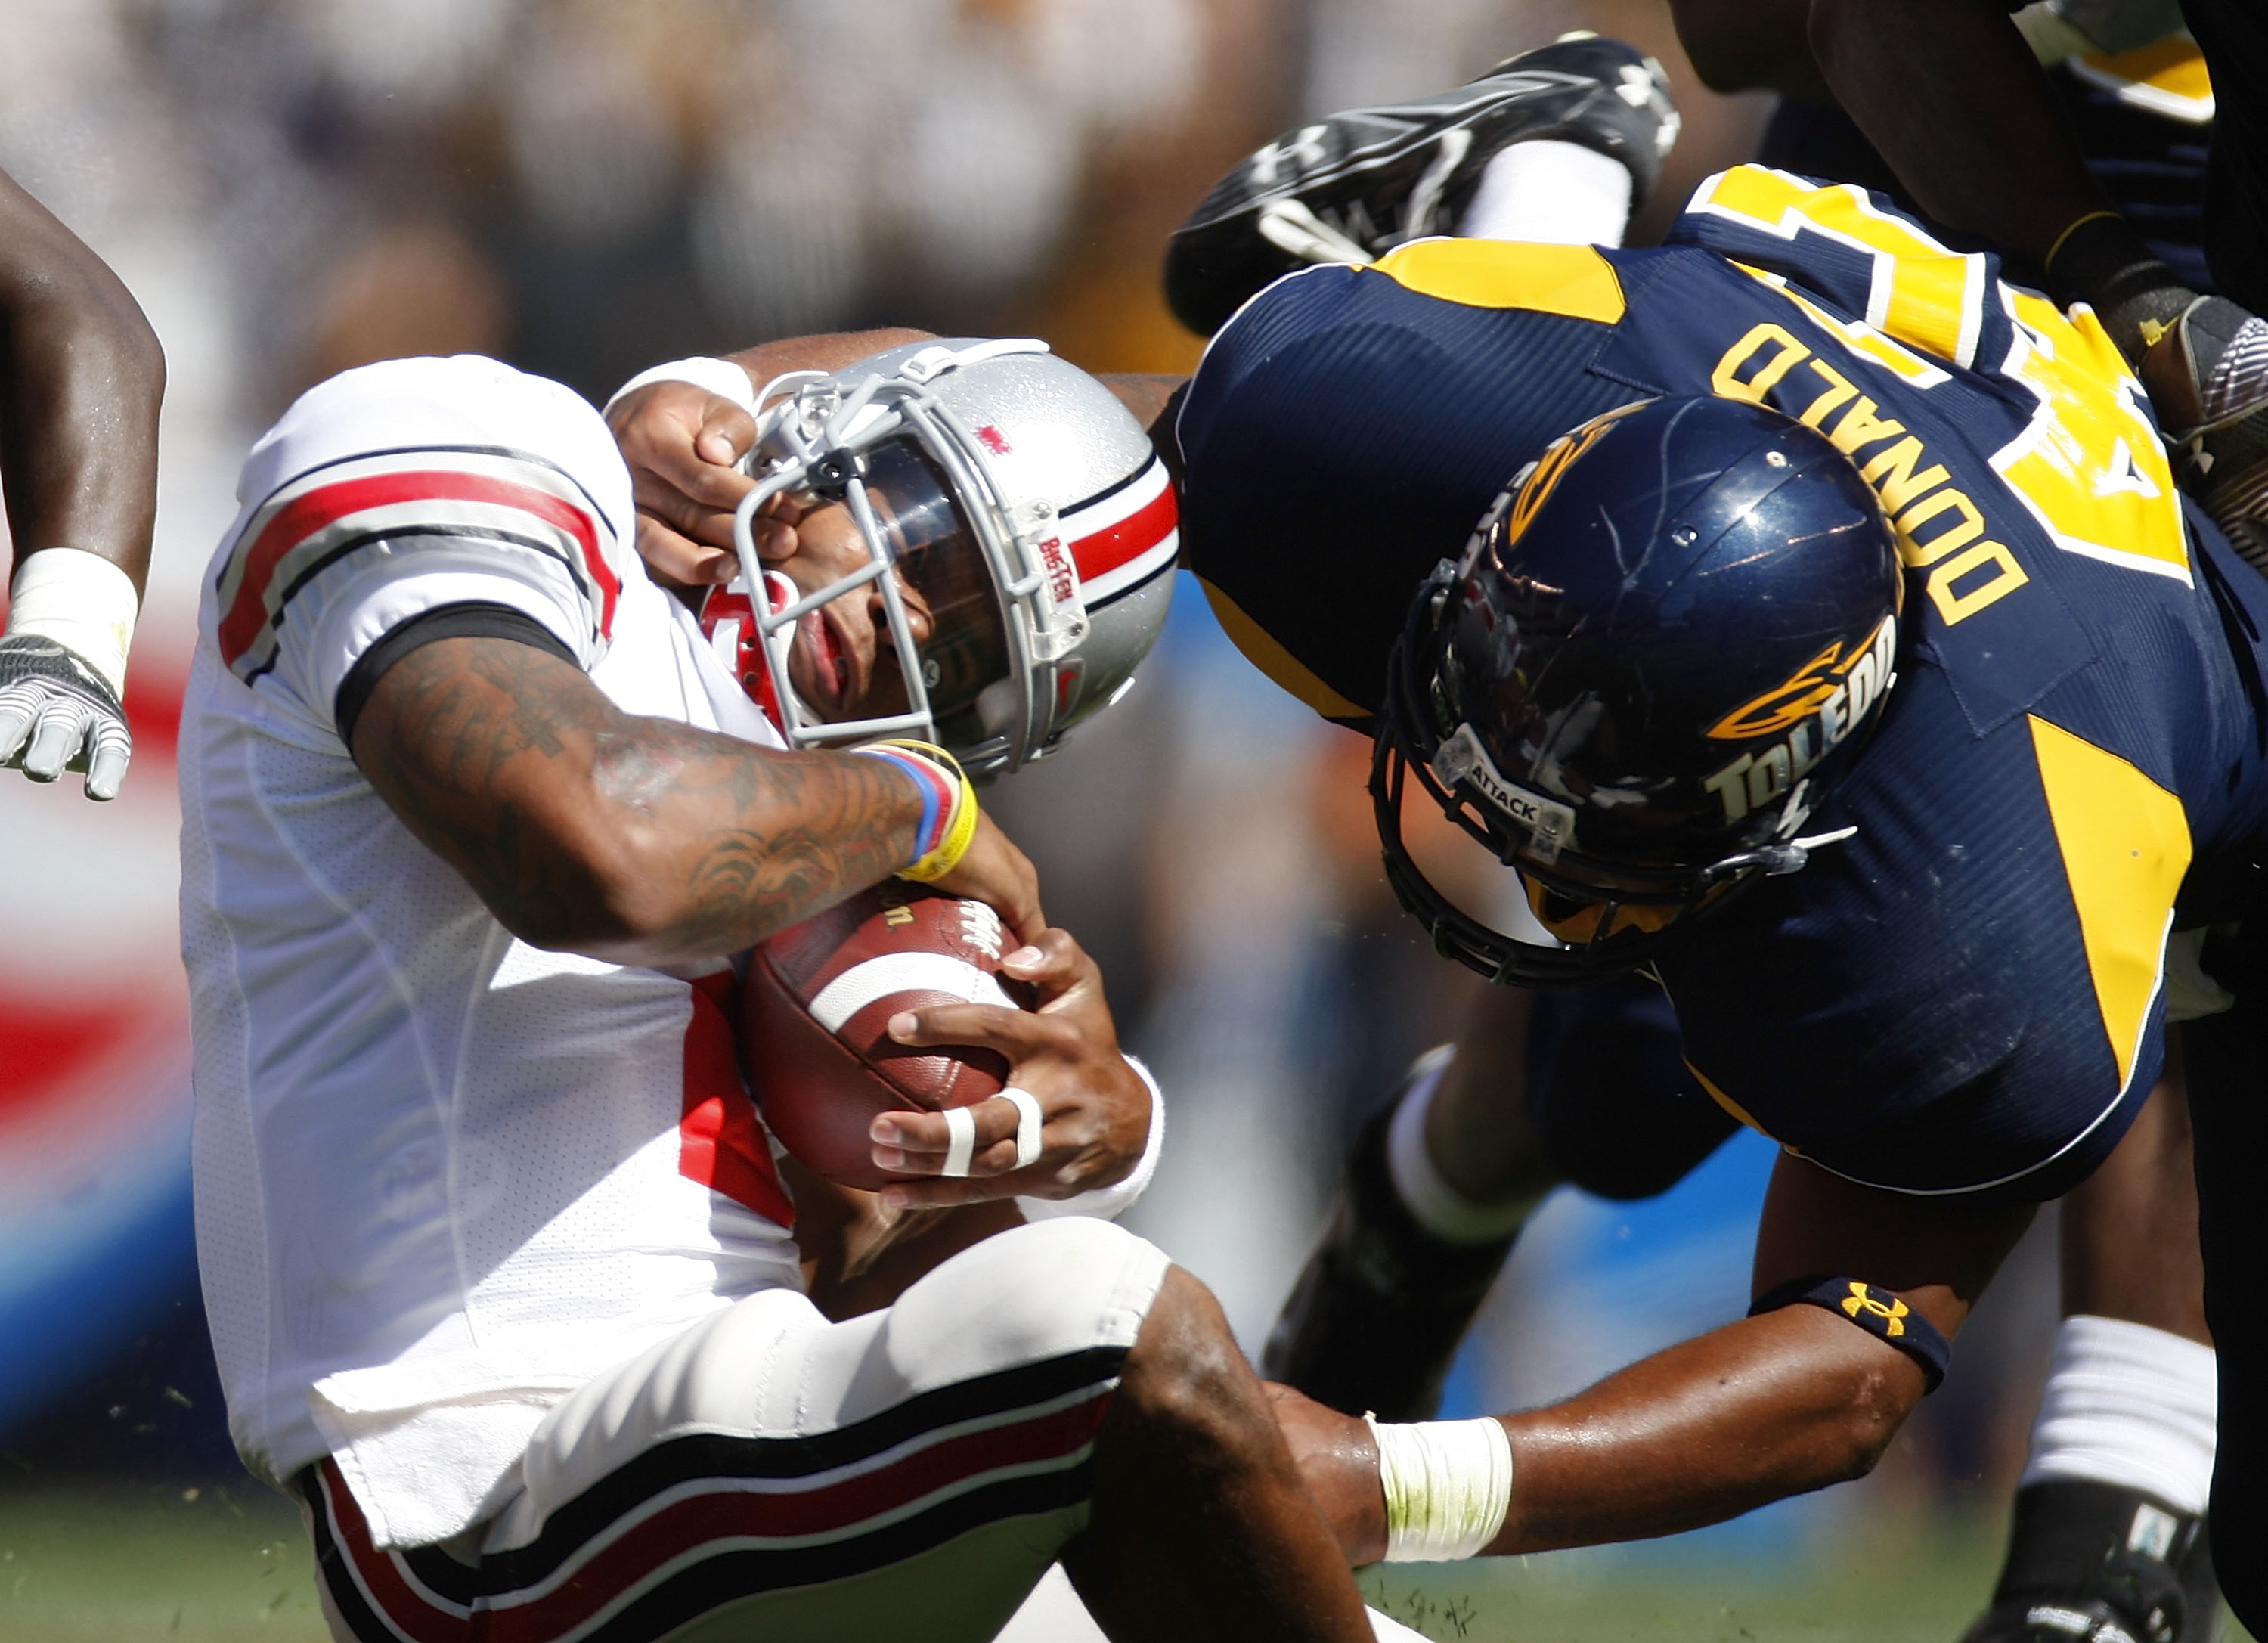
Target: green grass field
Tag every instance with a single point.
(125, 1564)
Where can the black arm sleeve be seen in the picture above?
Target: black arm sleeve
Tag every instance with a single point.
(471, 620)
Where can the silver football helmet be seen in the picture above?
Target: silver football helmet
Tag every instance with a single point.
(1013, 492)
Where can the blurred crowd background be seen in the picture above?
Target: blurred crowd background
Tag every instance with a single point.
(586, 187)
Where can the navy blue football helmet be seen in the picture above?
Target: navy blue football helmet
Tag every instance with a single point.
(1666, 641)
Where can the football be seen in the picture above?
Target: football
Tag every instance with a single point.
(816, 1009)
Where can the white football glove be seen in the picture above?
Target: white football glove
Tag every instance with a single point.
(57, 714)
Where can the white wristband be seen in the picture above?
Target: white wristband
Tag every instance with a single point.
(80, 600)
(1107, 1203)
(1447, 1486)
(720, 377)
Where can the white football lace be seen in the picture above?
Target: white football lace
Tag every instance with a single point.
(981, 926)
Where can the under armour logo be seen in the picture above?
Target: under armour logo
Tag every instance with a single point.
(1892, 1312)
(1305, 149)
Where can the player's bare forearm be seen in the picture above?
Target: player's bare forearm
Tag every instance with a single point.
(1753, 1412)
(1953, 98)
(1781, 1403)
(634, 839)
(828, 350)
(1749, 45)
(1769, 1406)
(1143, 393)
(1153, 399)
(78, 401)
(1762, 1409)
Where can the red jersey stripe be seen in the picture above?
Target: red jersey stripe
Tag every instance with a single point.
(389, 1590)
(1103, 551)
(720, 1144)
(304, 515)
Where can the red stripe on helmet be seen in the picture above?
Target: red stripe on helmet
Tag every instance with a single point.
(1123, 541)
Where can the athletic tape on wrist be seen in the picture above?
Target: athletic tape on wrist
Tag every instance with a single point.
(720, 377)
(1877, 1311)
(1447, 1486)
(960, 1141)
(931, 762)
(1027, 1125)
(81, 601)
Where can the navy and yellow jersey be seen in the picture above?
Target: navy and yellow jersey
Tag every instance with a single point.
(1965, 993)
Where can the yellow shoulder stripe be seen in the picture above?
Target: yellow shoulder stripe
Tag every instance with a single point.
(2125, 844)
(1262, 649)
(1574, 280)
(1922, 292)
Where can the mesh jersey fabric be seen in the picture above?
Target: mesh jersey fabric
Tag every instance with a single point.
(1962, 996)
(442, 1177)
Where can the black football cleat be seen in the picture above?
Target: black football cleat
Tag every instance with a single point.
(1352, 187)
(1377, 1314)
(2093, 1563)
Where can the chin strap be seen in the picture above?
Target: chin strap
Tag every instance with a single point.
(1777, 861)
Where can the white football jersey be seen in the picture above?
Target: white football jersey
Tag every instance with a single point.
(443, 1177)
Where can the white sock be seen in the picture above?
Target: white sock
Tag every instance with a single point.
(2129, 1405)
(1437, 1206)
(1548, 193)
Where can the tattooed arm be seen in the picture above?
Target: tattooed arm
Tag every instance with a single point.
(636, 840)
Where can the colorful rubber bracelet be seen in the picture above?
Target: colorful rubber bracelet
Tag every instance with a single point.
(935, 786)
(939, 849)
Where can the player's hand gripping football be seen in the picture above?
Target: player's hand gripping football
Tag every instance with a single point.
(996, 871)
(57, 714)
(1094, 1109)
(683, 445)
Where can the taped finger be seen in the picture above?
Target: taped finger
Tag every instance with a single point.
(960, 1141)
(1027, 1125)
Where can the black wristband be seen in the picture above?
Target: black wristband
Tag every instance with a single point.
(2102, 261)
(1877, 1311)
